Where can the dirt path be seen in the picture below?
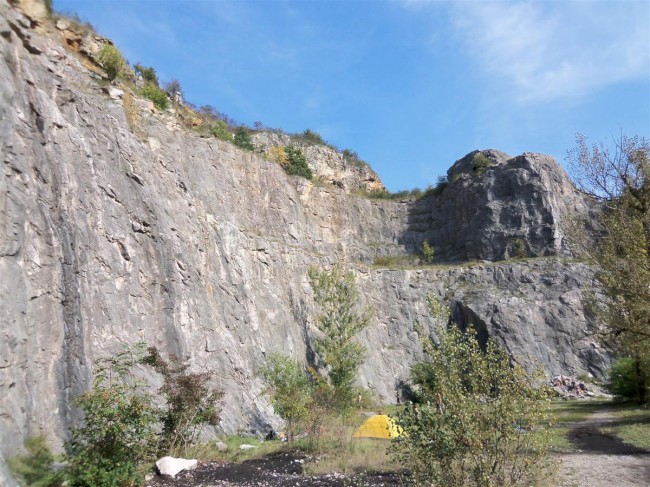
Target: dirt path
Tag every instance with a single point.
(603, 460)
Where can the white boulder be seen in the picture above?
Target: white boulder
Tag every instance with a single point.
(172, 466)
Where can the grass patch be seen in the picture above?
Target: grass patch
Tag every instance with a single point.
(209, 451)
(336, 451)
(567, 412)
(395, 260)
(632, 426)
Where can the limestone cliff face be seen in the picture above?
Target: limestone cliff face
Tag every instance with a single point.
(118, 226)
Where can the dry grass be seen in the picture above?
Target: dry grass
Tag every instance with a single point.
(336, 451)
(132, 115)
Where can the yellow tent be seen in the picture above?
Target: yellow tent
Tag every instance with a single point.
(378, 426)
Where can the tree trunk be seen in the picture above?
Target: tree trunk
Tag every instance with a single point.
(640, 382)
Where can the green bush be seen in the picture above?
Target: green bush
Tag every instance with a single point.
(220, 131)
(427, 252)
(296, 162)
(479, 420)
(35, 468)
(190, 401)
(290, 389)
(353, 158)
(518, 249)
(148, 74)
(623, 378)
(121, 427)
(243, 139)
(156, 95)
(481, 163)
(312, 137)
(111, 60)
(116, 436)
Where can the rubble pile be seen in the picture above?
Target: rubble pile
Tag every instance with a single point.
(568, 387)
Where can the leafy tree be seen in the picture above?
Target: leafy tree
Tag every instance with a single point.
(111, 60)
(296, 162)
(290, 389)
(243, 139)
(477, 419)
(619, 178)
(190, 401)
(339, 321)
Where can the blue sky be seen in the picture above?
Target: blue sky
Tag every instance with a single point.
(410, 85)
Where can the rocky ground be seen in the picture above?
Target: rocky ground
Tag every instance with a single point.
(602, 461)
(279, 470)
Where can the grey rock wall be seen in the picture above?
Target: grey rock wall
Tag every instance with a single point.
(118, 226)
(514, 205)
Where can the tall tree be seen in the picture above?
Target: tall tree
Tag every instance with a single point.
(619, 178)
(340, 320)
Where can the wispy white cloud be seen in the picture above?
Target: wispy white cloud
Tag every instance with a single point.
(544, 51)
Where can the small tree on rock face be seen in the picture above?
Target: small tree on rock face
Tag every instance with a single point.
(478, 419)
(243, 139)
(148, 73)
(296, 162)
(427, 252)
(111, 60)
(339, 321)
(277, 154)
(174, 89)
(220, 131)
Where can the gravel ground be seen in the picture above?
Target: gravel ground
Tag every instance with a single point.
(279, 470)
(602, 461)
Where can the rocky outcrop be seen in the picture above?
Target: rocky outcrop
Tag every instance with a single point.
(496, 207)
(328, 164)
(119, 226)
